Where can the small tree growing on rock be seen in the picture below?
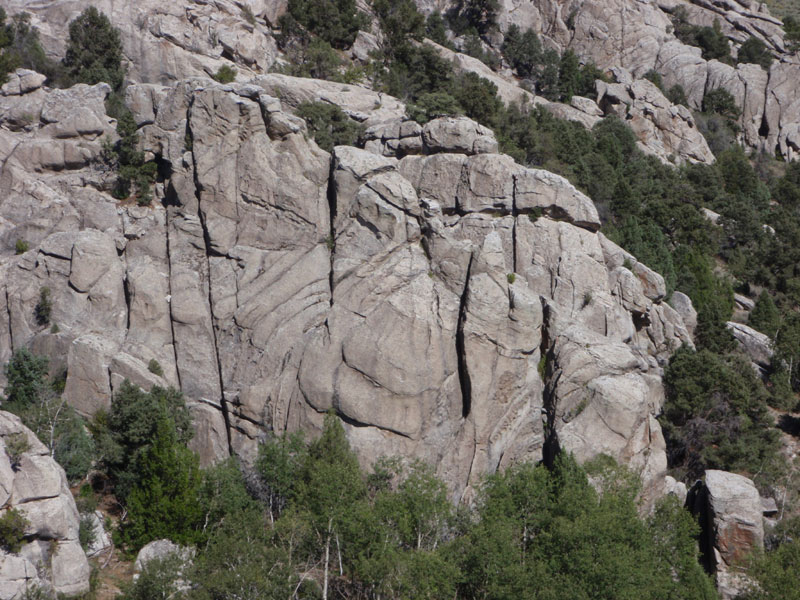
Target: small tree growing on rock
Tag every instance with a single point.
(94, 50)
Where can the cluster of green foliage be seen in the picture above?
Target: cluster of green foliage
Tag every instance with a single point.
(94, 51)
(714, 44)
(12, 530)
(34, 397)
(225, 74)
(478, 16)
(755, 51)
(554, 77)
(335, 21)
(715, 416)
(316, 525)
(676, 94)
(710, 40)
(791, 26)
(329, 125)
(20, 48)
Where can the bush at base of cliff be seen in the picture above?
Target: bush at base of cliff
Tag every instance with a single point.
(35, 399)
(715, 416)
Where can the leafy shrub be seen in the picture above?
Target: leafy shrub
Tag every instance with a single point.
(792, 28)
(155, 368)
(225, 74)
(335, 21)
(677, 95)
(720, 101)
(163, 499)
(134, 173)
(12, 530)
(431, 106)
(329, 125)
(25, 374)
(159, 580)
(37, 402)
(480, 15)
(44, 307)
(755, 51)
(710, 40)
(20, 48)
(655, 77)
(313, 58)
(16, 445)
(21, 247)
(125, 434)
(86, 532)
(715, 416)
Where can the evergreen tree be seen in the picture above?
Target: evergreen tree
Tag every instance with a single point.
(94, 50)
(164, 501)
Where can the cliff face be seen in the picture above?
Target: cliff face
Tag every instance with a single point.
(450, 305)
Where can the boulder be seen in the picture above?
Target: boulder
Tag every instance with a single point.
(36, 486)
(730, 514)
(756, 345)
(459, 135)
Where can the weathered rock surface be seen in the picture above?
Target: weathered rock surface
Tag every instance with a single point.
(756, 345)
(165, 42)
(32, 483)
(272, 281)
(730, 513)
(159, 550)
(664, 129)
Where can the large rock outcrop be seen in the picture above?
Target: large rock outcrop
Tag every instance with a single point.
(33, 484)
(273, 281)
(730, 513)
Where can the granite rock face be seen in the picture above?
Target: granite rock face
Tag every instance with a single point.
(272, 281)
(730, 512)
(32, 483)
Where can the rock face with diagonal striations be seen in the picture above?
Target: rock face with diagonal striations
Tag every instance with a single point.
(272, 282)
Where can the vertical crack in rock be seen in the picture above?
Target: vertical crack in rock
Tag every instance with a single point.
(514, 214)
(167, 214)
(126, 291)
(551, 446)
(463, 370)
(698, 503)
(8, 315)
(331, 240)
(208, 250)
(763, 130)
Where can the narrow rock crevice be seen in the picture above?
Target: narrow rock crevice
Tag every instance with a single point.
(763, 130)
(167, 220)
(360, 424)
(551, 446)
(331, 239)
(210, 252)
(698, 503)
(515, 214)
(461, 353)
(126, 291)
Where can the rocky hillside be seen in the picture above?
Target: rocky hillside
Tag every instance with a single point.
(444, 301)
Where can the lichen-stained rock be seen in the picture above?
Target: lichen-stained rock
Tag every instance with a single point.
(730, 512)
(36, 486)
